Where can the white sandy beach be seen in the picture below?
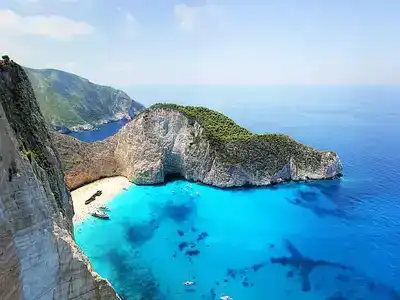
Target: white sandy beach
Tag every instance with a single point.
(110, 187)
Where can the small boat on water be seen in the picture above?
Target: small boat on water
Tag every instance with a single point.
(104, 208)
(100, 215)
(189, 283)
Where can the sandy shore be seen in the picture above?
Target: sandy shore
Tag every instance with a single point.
(110, 188)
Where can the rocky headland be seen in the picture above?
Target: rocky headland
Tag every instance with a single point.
(197, 144)
(72, 103)
(38, 255)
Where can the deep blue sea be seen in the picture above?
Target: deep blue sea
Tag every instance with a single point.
(334, 240)
(102, 132)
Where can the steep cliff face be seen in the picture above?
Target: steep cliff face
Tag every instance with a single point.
(85, 162)
(38, 256)
(200, 145)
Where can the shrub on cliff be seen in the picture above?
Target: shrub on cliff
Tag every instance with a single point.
(235, 144)
(218, 127)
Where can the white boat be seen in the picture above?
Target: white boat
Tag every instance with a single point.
(189, 283)
(100, 215)
(104, 208)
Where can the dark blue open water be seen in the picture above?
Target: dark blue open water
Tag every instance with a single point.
(102, 132)
(323, 240)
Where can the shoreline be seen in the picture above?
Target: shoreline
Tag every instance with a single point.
(87, 127)
(110, 187)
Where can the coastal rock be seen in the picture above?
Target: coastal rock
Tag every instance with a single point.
(38, 255)
(198, 144)
(85, 162)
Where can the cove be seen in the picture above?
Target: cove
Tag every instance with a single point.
(295, 241)
(342, 235)
(102, 132)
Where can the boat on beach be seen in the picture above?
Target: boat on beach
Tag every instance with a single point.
(104, 208)
(93, 197)
(100, 215)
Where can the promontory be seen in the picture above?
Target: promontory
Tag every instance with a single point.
(197, 144)
(72, 103)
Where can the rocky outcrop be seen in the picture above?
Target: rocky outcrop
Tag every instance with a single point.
(38, 256)
(85, 162)
(173, 140)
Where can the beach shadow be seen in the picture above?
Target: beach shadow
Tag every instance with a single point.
(315, 198)
(303, 266)
(331, 189)
(242, 274)
(179, 212)
(318, 210)
(344, 197)
(138, 234)
(344, 281)
(308, 196)
(131, 280)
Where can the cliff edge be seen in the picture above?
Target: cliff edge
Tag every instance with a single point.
(38, 256)
(198, 144)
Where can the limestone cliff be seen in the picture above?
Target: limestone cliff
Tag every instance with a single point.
(85, 162)
(38, 256)
(198, 144)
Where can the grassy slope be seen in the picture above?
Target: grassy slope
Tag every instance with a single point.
(238, 145)
(69, 100)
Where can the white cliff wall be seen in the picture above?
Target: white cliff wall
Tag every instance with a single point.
(38, 256)
(160, 142)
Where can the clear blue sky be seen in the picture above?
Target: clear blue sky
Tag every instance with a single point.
(123, 42)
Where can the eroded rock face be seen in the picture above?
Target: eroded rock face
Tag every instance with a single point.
(85, 162)
(161, 142)
(38, 256)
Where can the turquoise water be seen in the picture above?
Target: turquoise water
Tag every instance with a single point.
(144, 249)
(322, 240)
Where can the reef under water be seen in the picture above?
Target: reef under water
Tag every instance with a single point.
(297, 241)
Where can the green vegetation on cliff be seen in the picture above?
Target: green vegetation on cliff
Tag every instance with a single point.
(236, 144)
(218, 127)
(68, 100)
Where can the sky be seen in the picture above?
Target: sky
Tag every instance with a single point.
(129, 42)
